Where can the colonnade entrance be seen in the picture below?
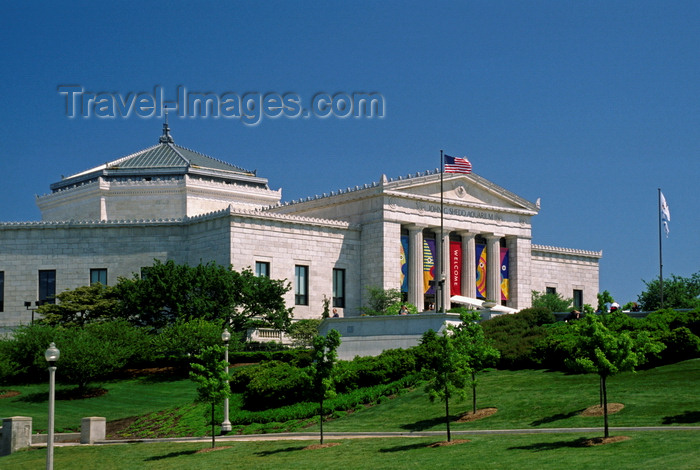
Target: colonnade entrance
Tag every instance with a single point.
(476, 265)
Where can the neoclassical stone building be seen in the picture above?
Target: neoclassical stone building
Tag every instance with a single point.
(169, 202)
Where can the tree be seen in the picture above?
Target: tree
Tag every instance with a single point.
(324, 356)
(445, 370)
(209, 373)
(605, 352)
(604, 298)
(379, 300)
(170, 292)
(679, 292)
(95, 350)
(303, 332)
(551, 300)
(473, 347)
(80, 306)
(185, 339)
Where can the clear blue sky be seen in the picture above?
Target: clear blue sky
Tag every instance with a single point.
(590, 106)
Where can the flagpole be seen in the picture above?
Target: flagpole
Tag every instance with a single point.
(661, 263)
(440, 284)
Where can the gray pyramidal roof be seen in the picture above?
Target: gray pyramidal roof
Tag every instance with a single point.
(164, 158)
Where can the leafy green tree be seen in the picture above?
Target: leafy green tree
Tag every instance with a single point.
(171, 292)
(552, 301)
(209, 373)
(95, 351)
(80, 306)
(379, 300)
(473, 347)
(445, 369)
(303, 332)
(325, 356)
(605, 352)
(185, 339)
(679, 292)
(604, 298)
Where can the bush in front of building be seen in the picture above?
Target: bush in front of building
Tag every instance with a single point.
(274, 383)
(88, 353)
(677, 331)
(516, 336)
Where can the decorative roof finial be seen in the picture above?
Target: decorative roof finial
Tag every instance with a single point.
(166, 138)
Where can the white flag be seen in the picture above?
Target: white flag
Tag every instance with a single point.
(665, 213)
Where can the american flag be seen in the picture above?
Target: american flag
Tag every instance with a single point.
(457, 165)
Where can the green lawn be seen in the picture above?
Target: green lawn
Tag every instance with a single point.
(525, 399)
(124, 399)
(649, 450)
(539, 399)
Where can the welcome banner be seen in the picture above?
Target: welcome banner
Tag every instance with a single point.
(455, 268)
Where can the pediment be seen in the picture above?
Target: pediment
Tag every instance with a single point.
(471, 190)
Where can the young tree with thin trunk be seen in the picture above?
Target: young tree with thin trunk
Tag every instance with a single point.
(605, 352)
(325, 357)
(445, 369)
(209, 373)
(473, 348)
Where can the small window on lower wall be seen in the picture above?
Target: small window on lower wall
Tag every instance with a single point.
(301, 285)
(551, 290)
(339, 288)
(47, 286)
(262, 269)
(578, 299)
(98, 276)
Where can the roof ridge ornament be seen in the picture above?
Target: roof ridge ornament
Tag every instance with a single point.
(166, 138)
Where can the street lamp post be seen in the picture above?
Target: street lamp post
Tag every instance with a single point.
(51, 355)
(226, 425)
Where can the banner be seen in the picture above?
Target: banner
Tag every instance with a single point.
(480, 271)
(455, 268)
(428, 265)
(504, 273)
(404, 263)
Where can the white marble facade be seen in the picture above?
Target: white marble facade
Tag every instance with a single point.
(168, 202)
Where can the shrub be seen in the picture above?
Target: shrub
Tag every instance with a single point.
(276, 384)
(515, 336)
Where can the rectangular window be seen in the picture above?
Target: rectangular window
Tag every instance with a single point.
(262, 269)
(301, 285)
(578, 299)
(2, 291)
(98, 276)
(144, 272)
(339, 288)
(551, 290)
(47, 286)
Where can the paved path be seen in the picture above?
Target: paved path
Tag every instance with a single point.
(310, 436)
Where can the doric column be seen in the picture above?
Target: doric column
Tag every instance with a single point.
(445, 269)
(468, 264)
(493, 268)
(415, 267)
(442, 263)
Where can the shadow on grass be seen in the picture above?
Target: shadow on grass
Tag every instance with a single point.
(424, 424)
(171, 455)
(540, 446)
(403, 448)
(687, 417)
(556, 417)
(38, 397)
(266, 453)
